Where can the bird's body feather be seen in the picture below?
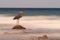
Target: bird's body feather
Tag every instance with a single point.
(17, 17)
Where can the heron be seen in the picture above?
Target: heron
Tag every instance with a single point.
(20, 14)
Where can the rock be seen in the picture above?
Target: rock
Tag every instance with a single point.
(18, 27)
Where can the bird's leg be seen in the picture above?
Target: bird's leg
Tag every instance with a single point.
(17, 21)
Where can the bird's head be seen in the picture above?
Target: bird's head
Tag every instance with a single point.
(20, 13)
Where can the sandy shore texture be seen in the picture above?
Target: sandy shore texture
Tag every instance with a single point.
(36, 26)
(34, 22)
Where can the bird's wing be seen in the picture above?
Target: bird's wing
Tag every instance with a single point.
(16, 17)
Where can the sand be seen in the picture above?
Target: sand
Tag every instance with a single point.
(36, 25)
(50, 22)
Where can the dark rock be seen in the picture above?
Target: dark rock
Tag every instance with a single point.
(18, 27)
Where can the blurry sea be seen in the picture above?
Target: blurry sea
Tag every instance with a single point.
(31, 11)
(37, 21)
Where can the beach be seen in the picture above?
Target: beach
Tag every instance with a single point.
(49, 22)
(35, 26)
(37, 21)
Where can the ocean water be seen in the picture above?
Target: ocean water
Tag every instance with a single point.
(31, 11)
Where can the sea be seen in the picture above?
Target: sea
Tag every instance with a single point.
(31, 11)
(37, 21)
